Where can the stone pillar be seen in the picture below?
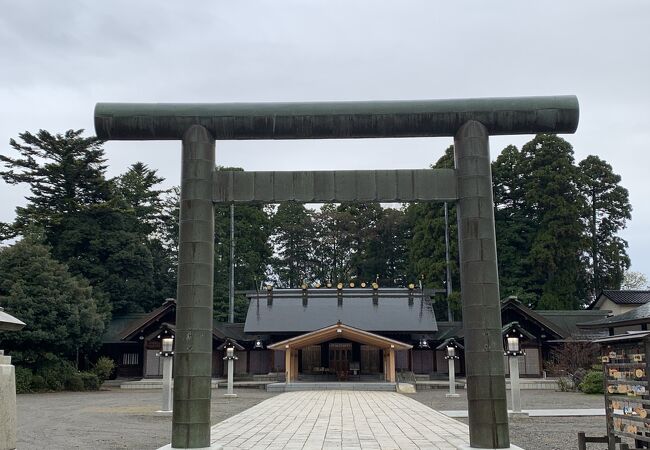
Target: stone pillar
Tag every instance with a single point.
(515, 388)
(479, 280)
(452, 378)
(231, 383)
(167, 384)
(7, 403)
(230, 356)
(193, 355)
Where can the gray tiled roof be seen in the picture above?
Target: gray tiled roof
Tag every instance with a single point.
(568, 320)
(448, 330)
(119, 324)
(390, 311)
(233, 331)
(637, 315)
(628, 297)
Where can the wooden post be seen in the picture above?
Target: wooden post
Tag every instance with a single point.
(287, 365)
(391, 365)
(294, 365)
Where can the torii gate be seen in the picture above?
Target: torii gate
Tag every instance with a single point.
(469, 121)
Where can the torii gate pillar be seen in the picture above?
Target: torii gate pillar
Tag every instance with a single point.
(479, 285)
(193, 356)
(470, 121)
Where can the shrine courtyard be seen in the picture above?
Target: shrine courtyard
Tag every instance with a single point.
(125, 419)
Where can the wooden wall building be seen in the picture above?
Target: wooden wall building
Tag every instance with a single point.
(403, 318)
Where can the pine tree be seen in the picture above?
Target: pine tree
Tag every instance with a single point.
(65, 174)
(137, 187)
(85, 221)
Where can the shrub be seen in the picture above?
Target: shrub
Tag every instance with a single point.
(90, 381)
(38, 383)
(564, 384)
(104, 368)
(570, 357)
(56, 374)
(592, 383)
(24, 379)
(74, 382)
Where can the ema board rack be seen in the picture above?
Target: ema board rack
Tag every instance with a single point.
(627, 397)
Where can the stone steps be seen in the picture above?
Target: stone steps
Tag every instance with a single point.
(327, 386)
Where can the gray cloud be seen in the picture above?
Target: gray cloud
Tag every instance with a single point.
(58, 58)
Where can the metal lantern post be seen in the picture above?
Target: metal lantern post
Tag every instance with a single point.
(167, 356)
(230, 357)
(8, 423)
(513, 351)
(451, 357)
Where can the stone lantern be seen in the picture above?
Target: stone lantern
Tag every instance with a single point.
(8, 386)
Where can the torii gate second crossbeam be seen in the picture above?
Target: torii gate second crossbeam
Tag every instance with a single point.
(469, 121)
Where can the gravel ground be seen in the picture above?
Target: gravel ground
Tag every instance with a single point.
(530, 399)
(110, 419)
(124, 419)
(537, 433)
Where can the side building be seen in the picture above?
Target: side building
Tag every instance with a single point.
(620, 301)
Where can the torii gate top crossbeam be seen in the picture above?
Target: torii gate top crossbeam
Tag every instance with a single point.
(336, 120)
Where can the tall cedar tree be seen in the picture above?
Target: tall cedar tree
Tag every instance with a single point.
(333, 251)
(608, 209)
(515, 227)
(351, 244)
(426, 247)
(385, 250)
(555, 205)
(60, 310)
(360, 225)
(293, 240)
(86, 223)
(252, 254)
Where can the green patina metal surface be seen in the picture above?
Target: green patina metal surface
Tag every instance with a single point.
(479, 286)
(336, 120)
(470, 121)
(335, 186)
(193, 346)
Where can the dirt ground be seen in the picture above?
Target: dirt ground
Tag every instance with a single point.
(125, 419)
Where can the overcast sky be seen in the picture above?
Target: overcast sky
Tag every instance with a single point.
(57, 59)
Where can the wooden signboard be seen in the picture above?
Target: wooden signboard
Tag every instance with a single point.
(627, 400)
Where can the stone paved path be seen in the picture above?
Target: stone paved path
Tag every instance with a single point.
(340, 420)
